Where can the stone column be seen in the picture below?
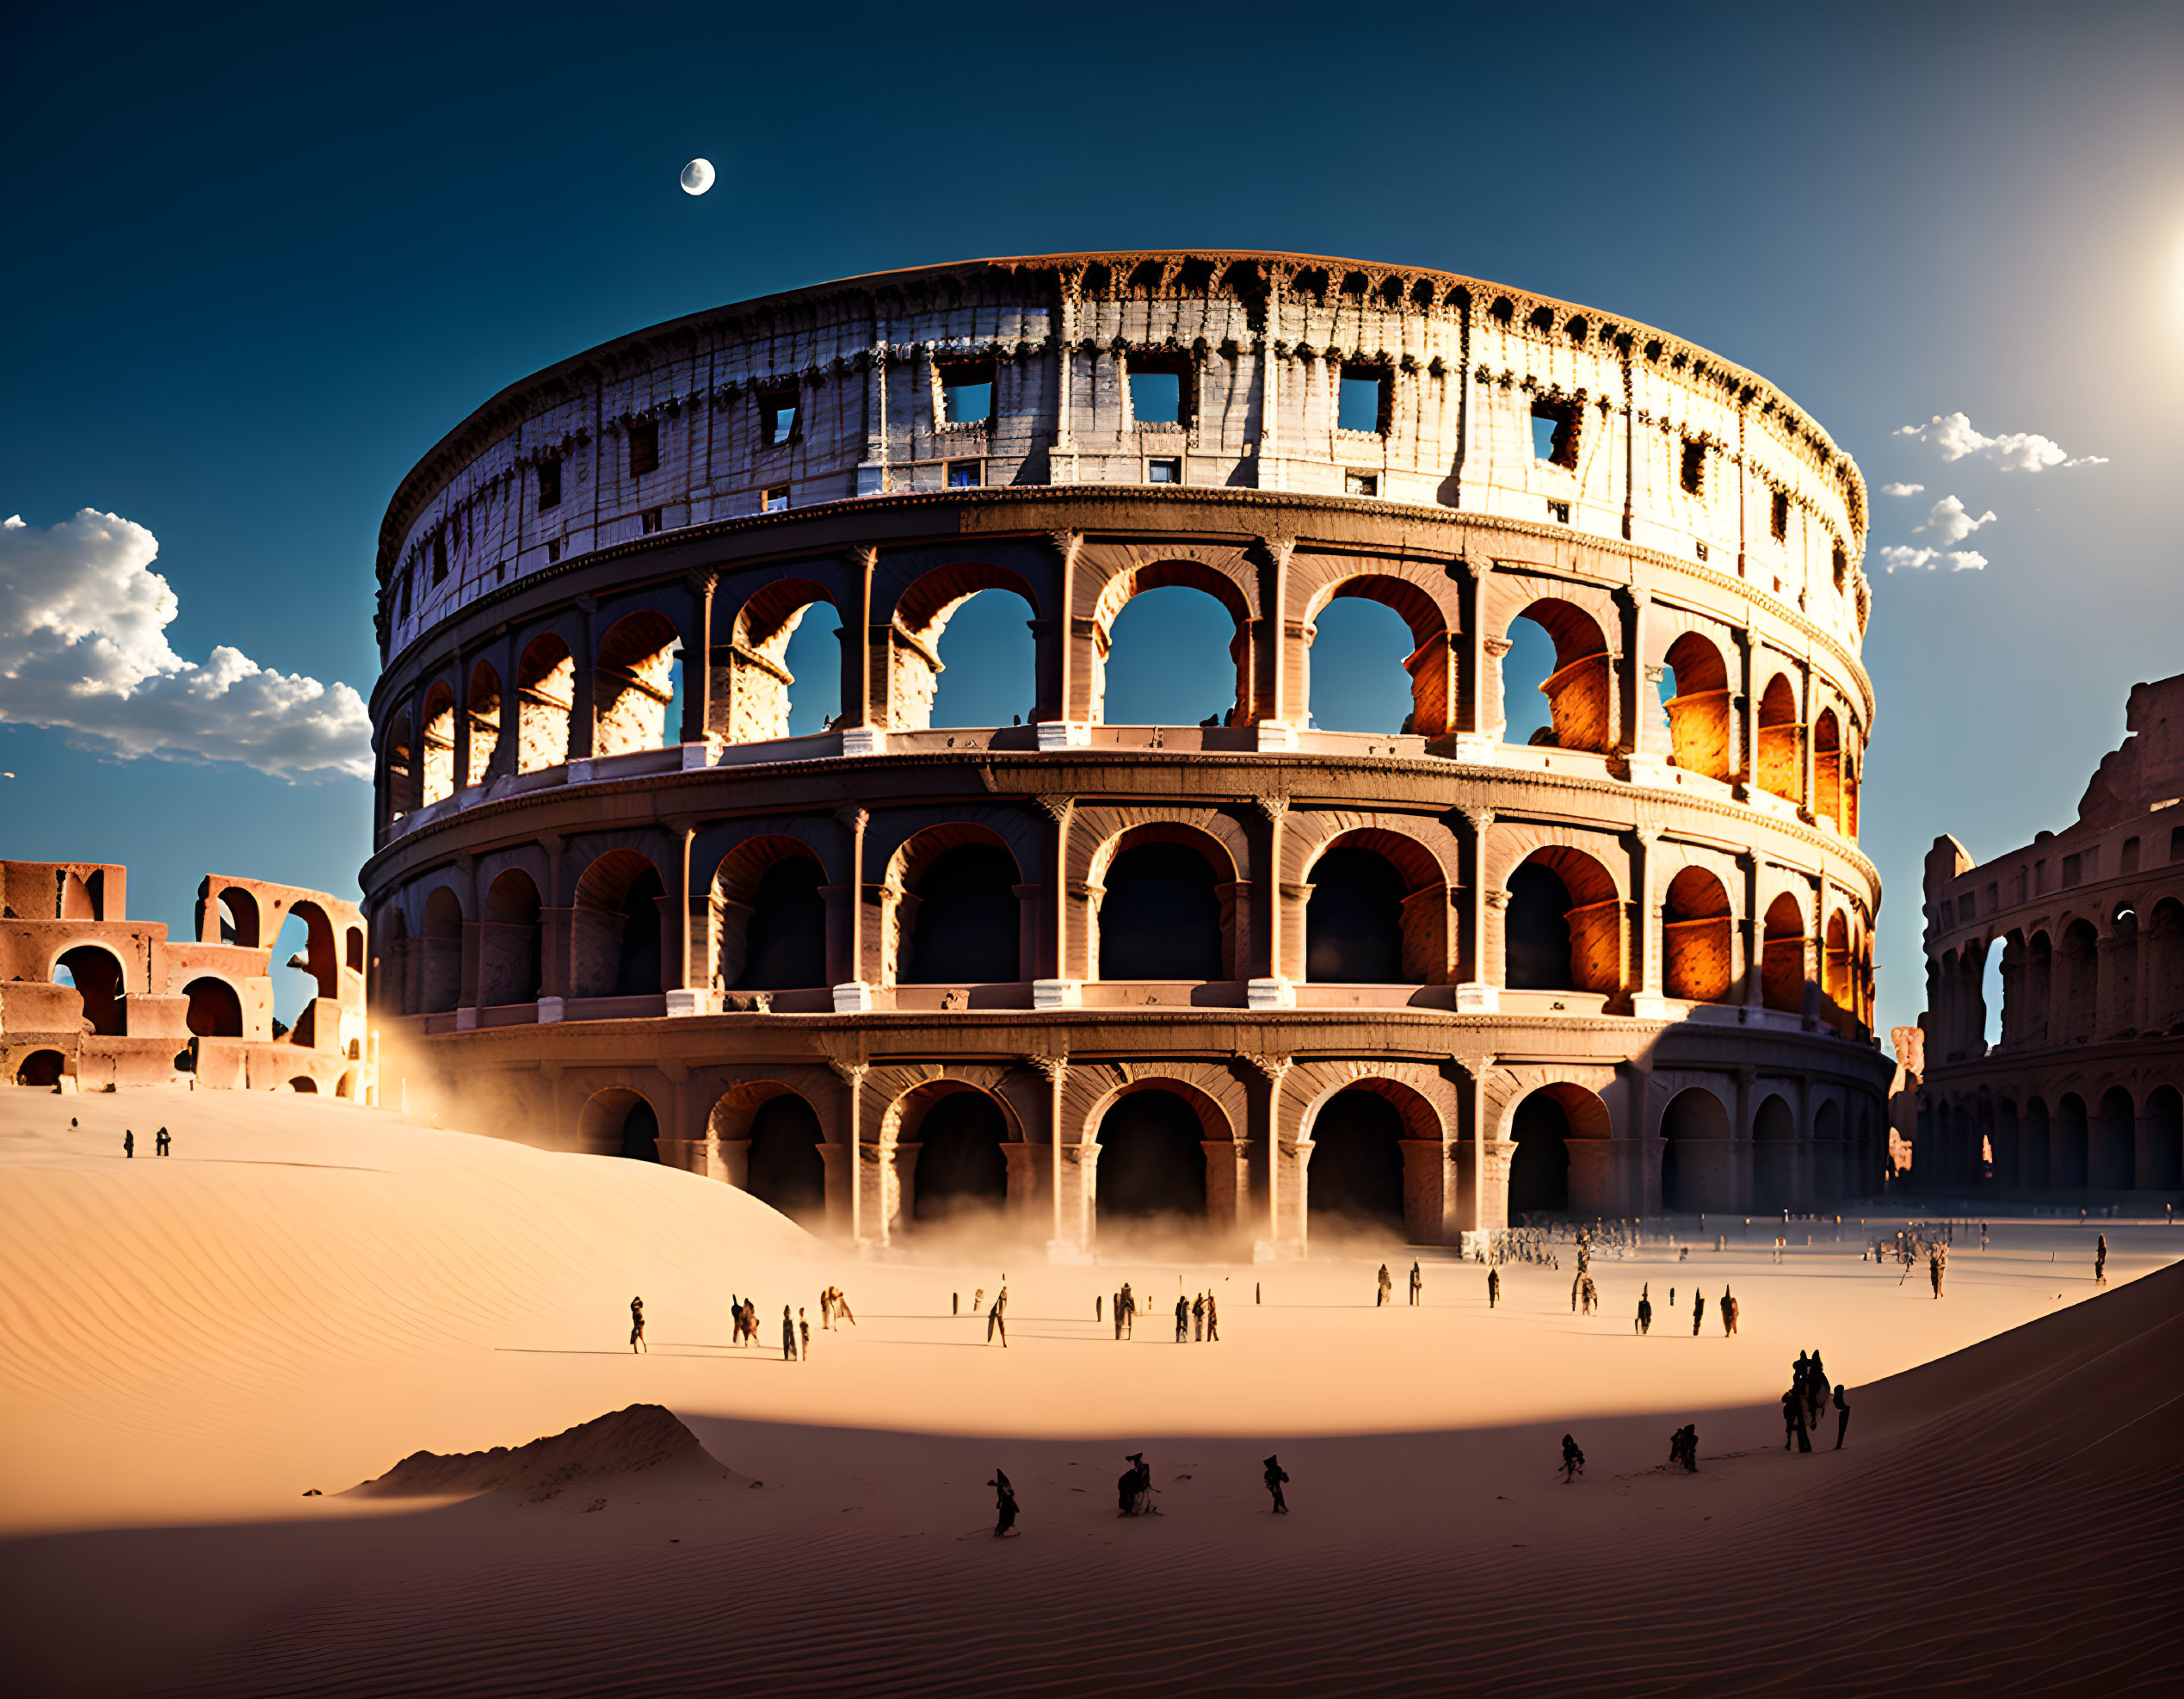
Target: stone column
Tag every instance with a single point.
(1478, 991)
(1270, 988)
(1632, 709)
(898, 1185)
(1079, 1194)
(1429, 1203)
(1292, 1211)
(729, 1159)
(1805, 717)
(854, 994)
(1751, 943)
(1643, 928)
(584, 691)
(860, 654)
(697, 659)
(1746, 702)
(1059, 986)
(1228, 1184)
(852, 1208)
(1055, 1071)
(1029, 1180)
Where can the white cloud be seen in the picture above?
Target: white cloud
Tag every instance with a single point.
(1902, 488)
(1913, 559)
(83, 648)
(2020, 451)
(1950, 523)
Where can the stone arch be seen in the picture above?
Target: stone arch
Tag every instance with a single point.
(83, 896)
(1150, 1163)
(1698, 1152)
(438, 775)
(2161, 1167)
(355, 949)
(1698, 958)
(441, 982)
(920, 624)
(1702, 729)
(1836, 984)
(616, 945)
(345, 1087)
(634, 680)
(1544, 1177)
(1163, 904)
(546, 701)
(773, 1141)
(2039, 988)
(619, 1121)
(2078, 958)
(2068, 1152)
(2165, 947)
(322, 959)
(1774, 1155)
(1125, 586)
(758, 678)
(2008, 1137)
(510, 953)
(482, 708)
(958, 913)
(1378, 1147)
(41, 1068)
(1377, 910)
(398, 767)
(1827, 767)
(1782, 956)
(1432, 663)
(303, 1085)
(2036, 1146)
(101, 982)
(1781, 740)
(2112, 1143)
(1564, 925)
(215, 1008)
(770, 916)
(1580, 690)
(961, 1134)
(240, 922)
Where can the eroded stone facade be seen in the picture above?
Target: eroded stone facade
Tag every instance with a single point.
(1640, 942)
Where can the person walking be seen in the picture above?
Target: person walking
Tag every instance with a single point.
(1097, 1301)
(128, 1144)
(1117, 1318)
(1728, 1313)
(1933, 1270)
(998, 1319)
(1417, 1284)
(1842, 1415)
(841, 1311)
(1493, 1288)
(2100, 1261)
(1644, 1324)
(788, 1335)
(1197, 1319)
(1573, 1459)
(1386, 1286)
(1213, 1320)
(804, 1335)
(1004, 1504)
(1182, 1319)
(1276, 1479)
(1698, 1312)
(1127, 1311)
(162, 1145)
(637, 1328)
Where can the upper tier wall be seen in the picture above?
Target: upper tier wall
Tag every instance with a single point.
(1260, 343)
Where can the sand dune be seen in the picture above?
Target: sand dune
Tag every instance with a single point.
(611, 1448)
(306, 1293)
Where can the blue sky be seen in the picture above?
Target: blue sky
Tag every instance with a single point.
(259, 262)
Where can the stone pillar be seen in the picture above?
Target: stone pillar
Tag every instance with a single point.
(1805, 717)
(1077, 1196)
(858, 1191)
(898, 1185)
(854, 994)
(1643, 928)
(1430, 1203)
(1633, 709)
(582, 709)
(1291, 1208)
(1058, 984)
(1268, 987)
(1029, 1180)
(1751, 941)
(697, 659)
(1746, 702)
(1228, 1185)
(841, 1192)
(1055, 1071)
(729, 1159)
(1478, 989)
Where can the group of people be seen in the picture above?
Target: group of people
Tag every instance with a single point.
(1683, 1447)
(1808, 1394)
(1198, 1320)
(1383, 1287)
(1134, 1492)
(163, 1142)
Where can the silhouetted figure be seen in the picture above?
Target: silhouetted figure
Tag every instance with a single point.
(1097, 1301)
(788, 1335)
(1127, 1309)
(1277, 1478)
(1198, 1319)
(1793, 1424)
(1728, 1311)
(1118, 1315)
(1213, 1320)
(1573, 1459)
(1417, 1282)
(1683, 1447)
(1004, 1504)
(164, 1145)
(1842, 1417)
(1493, 1288)
(1386, 1286)
(128, 1144)
(1182, 1319)
(636, 1327)
(842, 1312)
(1134, 1489)
(956, 1303)
(1644, 1322)
(998, 1319)
(1933, 1270)
(804, 1335)
(2100, 1261)
(1698, 1312)
(1816, 1387)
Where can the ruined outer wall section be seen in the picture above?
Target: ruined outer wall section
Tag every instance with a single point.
(2083, 1095)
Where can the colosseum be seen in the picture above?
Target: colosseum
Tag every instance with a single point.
(2079, 936)
(1246, 972)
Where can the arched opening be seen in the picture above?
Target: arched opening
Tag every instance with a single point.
(1580, 689)
(1850, 786)
(1564, 924)
(2165, 1167)
(1356, 1175)
(510, 954)
(439, 743)
(1827, 1152)
(2079, 961)
(2039, 988)
(964, 653)
(2165, 967)
(2112, 1152)
(1781, 746)
(1354, 930)
(2067, 1145)
(345, 1087)
(960, 1167)
(482, 704)
(1782, 956)
(1378, 656)
(620, 1122)
(95, 974)
(389, 988)
(614, 934)
(441, 987)
(2121, 998)
(769, 919)
(41, 1068)
(964, 917)
(1835, 969)
(82, 898)
(355, 949)
(1697, 963)
(398, 764)
(1702, 729)
(1827, 767)
(2035, 1147)
(1152, 1157)
(2003, 967)
(215, 1011)
(786, 1171)
(1545, 1124)
(303, 1085)
(638, 685)
(1697, 1171)
(1171, 654)
(1774, 1156)
(239, 923)
(546, 697)
(1160, 915)
(784, 675)
(2008, 1139)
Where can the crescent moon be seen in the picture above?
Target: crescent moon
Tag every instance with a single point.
(697, 176)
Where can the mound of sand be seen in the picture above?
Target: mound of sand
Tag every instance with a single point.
(628, 1441)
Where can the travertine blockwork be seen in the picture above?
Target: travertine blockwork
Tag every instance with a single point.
(2082, 1093)
(1079, 969)
(100, 1001)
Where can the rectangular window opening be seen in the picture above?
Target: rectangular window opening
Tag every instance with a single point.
(1160, 389)
(439, 556)
(2176, 843)
(775, 500)
(1702, 551)
(2130, 862)
(1363, 403)
(1559, 512)
(650, 520)
(966, 391)
(549, 485)
(2073, 870)
(1167, 471)
(776, 418)
(644, 448)
(1554, 432)
(966, 474)
(553, 550)
(1694, 469)
(1360, 483)
(1778, 521)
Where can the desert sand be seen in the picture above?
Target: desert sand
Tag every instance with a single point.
(307, 1293)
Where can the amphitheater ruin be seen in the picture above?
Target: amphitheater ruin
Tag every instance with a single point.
(2070, 952)
(632, 893)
